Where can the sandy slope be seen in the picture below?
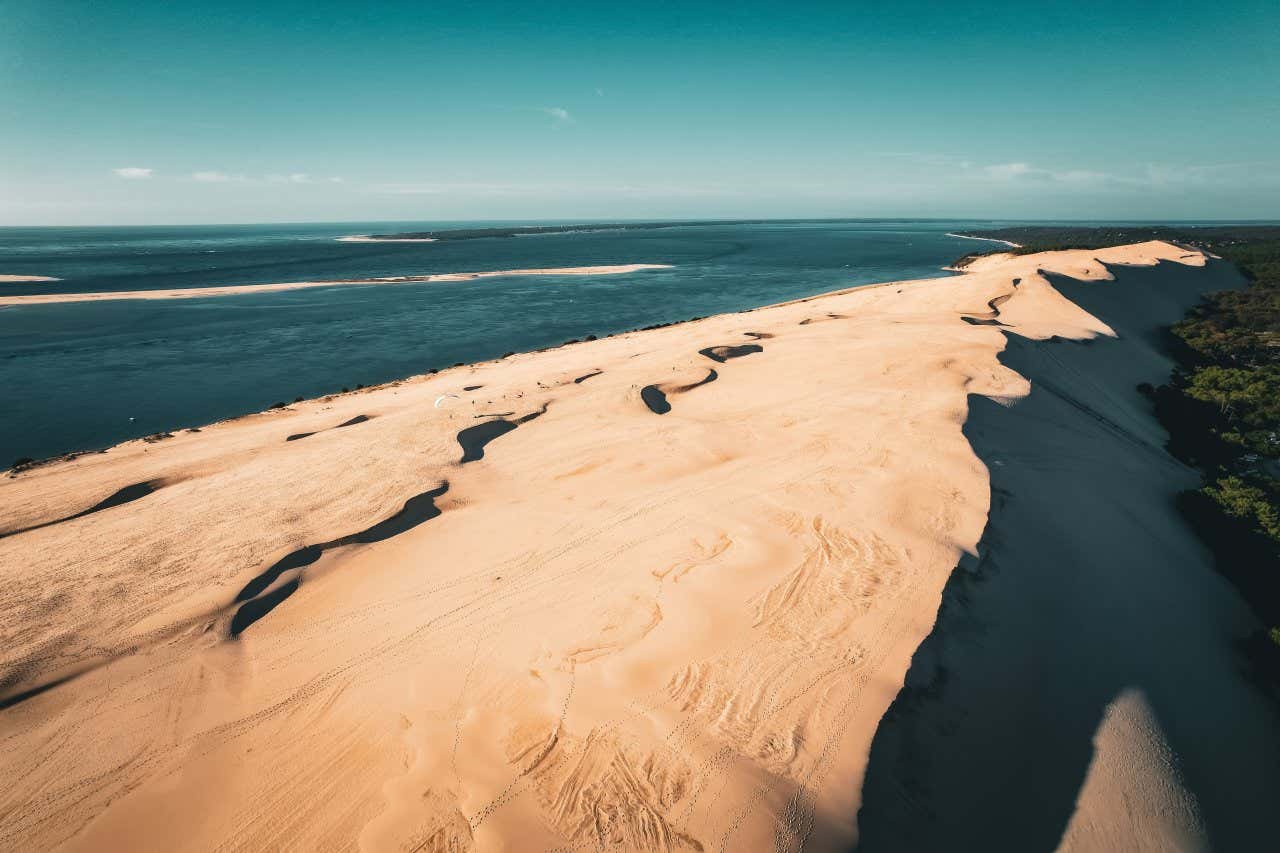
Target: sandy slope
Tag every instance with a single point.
(241, 289)
(673, 631)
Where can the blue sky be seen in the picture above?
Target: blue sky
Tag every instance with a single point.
(250, 112)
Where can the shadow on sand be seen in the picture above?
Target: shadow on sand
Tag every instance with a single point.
(1089, 583)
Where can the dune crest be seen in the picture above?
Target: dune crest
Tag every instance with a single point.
(621, 627)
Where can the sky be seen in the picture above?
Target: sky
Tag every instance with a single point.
(219, 112)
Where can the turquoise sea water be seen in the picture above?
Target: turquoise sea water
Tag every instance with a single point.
(87, 375)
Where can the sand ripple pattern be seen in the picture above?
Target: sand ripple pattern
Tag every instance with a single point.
(613, 631)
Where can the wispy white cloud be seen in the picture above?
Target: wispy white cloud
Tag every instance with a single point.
(925, 158)
(298, 178)
(133, 173)
(482, 189)
(560, 114)
(1025, 172)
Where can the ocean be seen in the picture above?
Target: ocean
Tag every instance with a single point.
(87, 375)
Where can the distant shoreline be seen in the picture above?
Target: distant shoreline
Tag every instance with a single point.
(241, 289)
(534, 230)
(16, 279)
(1008, 243)
(365, 238)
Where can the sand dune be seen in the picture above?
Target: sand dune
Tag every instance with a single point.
(5, 279)
(241, 289)
(511, 606)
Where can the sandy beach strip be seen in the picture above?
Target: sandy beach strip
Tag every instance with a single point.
(365, 238)
(242, 289)
(986, 240)
(14, 279)
(650, 592)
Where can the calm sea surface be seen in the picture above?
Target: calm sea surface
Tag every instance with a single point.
(88, 375)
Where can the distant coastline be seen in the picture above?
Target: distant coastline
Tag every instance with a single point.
(1008, 243)
(240, 289)
(16, 279)
(533, 230)
(366, 238)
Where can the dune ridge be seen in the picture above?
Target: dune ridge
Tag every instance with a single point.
(618, 629)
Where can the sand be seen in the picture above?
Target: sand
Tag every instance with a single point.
(608, 628)
(363, 238)
(1021, 728)
(242, 289)
(14, 279)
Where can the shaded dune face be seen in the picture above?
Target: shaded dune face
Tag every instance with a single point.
(1087, 585)
(724, 353)
(358, 419)
(260, 596)
(655, 396)
(613, 631)
(474, 439)
(122, 496)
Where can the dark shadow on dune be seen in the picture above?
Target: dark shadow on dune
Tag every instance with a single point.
(293, 560)
(122, 496)
(759, 336)
(358, 419)
(655, 396)
(417, 510)
(19, 698)
(722, 354)
(656, 400)
(582, 379)
(1088, 583)
(473, 439)
(711, 376)
(989, 318)
(254, 609)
